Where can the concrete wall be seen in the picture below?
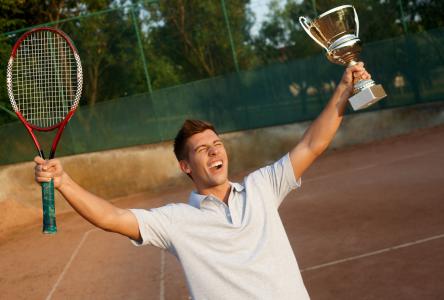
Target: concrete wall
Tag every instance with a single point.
(124, 171)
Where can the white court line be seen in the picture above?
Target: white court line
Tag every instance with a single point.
(370, 166)
(162, 275)
(71, 259)
(339, 261)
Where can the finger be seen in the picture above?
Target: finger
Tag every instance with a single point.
(354, 73)
(38, 160)
(45, 174)
(52, 163)
(42, 179)
(362, 74)
(366, 76)
(42, 165)
(40, 168)
(350, 70)
(359, 64)
(357, 67)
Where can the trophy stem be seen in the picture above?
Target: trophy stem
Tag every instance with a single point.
(352, 63)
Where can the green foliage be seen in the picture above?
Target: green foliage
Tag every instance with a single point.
(187, 40)
(191, 38)
(281, 36)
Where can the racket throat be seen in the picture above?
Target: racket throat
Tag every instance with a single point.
(52, 154)
(41, 154)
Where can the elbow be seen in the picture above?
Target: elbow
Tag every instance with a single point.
(318, 148)
(111, 221)
(107, 223)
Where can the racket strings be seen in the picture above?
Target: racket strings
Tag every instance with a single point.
(45, 77)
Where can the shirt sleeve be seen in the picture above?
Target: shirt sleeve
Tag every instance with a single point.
(154, 226)
(278, 178)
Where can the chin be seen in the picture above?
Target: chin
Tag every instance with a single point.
(219, 181)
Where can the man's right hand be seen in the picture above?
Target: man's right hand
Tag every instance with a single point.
(96, 210)
(45, 170)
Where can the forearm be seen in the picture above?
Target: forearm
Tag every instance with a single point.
(322, 131)
(91, 207)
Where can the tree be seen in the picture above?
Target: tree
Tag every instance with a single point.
(281, 37)
(10, 12)
(190, 38)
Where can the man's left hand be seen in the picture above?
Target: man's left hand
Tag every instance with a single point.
(352, 75)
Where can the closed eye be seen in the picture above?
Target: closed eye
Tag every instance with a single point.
(202, 148)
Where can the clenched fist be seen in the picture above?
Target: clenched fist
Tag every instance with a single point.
(45, 170)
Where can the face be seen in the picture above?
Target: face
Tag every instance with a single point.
(207, 161)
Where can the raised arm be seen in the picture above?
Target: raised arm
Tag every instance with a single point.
(321, 132)
(96, 210)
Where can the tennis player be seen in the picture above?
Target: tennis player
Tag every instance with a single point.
(229, 238)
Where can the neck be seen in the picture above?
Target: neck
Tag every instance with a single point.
(221, 192)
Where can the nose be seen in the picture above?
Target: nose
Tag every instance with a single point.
(213, 151)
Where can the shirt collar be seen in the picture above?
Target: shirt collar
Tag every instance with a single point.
(196, 199)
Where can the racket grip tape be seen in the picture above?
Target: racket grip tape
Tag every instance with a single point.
(49, 219)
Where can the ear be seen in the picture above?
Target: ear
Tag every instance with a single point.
(185, 167)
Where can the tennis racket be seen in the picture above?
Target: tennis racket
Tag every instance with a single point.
(44, 80)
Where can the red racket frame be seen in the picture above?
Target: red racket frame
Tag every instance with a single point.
(47, 191)
(61, 125)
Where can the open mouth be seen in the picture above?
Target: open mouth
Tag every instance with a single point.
(216, 165)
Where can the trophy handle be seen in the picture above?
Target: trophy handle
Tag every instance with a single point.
(356, 21)
(306, 26)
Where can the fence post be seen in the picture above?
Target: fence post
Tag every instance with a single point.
(142, 53)
(227, 23)
(313, 3)
(411, 49)
(147, 75)
(401, 10)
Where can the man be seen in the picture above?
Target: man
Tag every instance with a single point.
(229, 238)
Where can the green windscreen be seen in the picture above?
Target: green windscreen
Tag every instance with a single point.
(142, 79)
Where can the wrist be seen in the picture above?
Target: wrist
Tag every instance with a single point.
(344, 86)
(64, 182)
(344, 90)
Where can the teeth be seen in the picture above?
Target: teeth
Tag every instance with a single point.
(216, 164)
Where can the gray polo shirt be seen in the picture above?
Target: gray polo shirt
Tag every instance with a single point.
(239, 251)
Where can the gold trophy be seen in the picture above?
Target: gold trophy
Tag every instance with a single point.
(337, 31)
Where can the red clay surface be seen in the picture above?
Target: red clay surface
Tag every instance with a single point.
(368, 223)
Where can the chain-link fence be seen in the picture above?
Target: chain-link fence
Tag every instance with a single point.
(144, 77)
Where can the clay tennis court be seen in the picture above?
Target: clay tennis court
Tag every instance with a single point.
(368, 223)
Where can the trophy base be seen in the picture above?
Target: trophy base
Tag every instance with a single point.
(367, 97)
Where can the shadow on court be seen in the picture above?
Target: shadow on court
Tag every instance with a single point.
(366, 224)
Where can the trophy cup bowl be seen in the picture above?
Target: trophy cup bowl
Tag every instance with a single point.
(337, 31)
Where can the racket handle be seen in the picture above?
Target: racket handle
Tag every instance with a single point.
(49, 220)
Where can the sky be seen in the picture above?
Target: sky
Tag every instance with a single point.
(260, 9)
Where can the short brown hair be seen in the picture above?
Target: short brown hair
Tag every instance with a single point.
(188, 129)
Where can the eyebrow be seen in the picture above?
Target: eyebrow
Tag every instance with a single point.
(206, 145)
